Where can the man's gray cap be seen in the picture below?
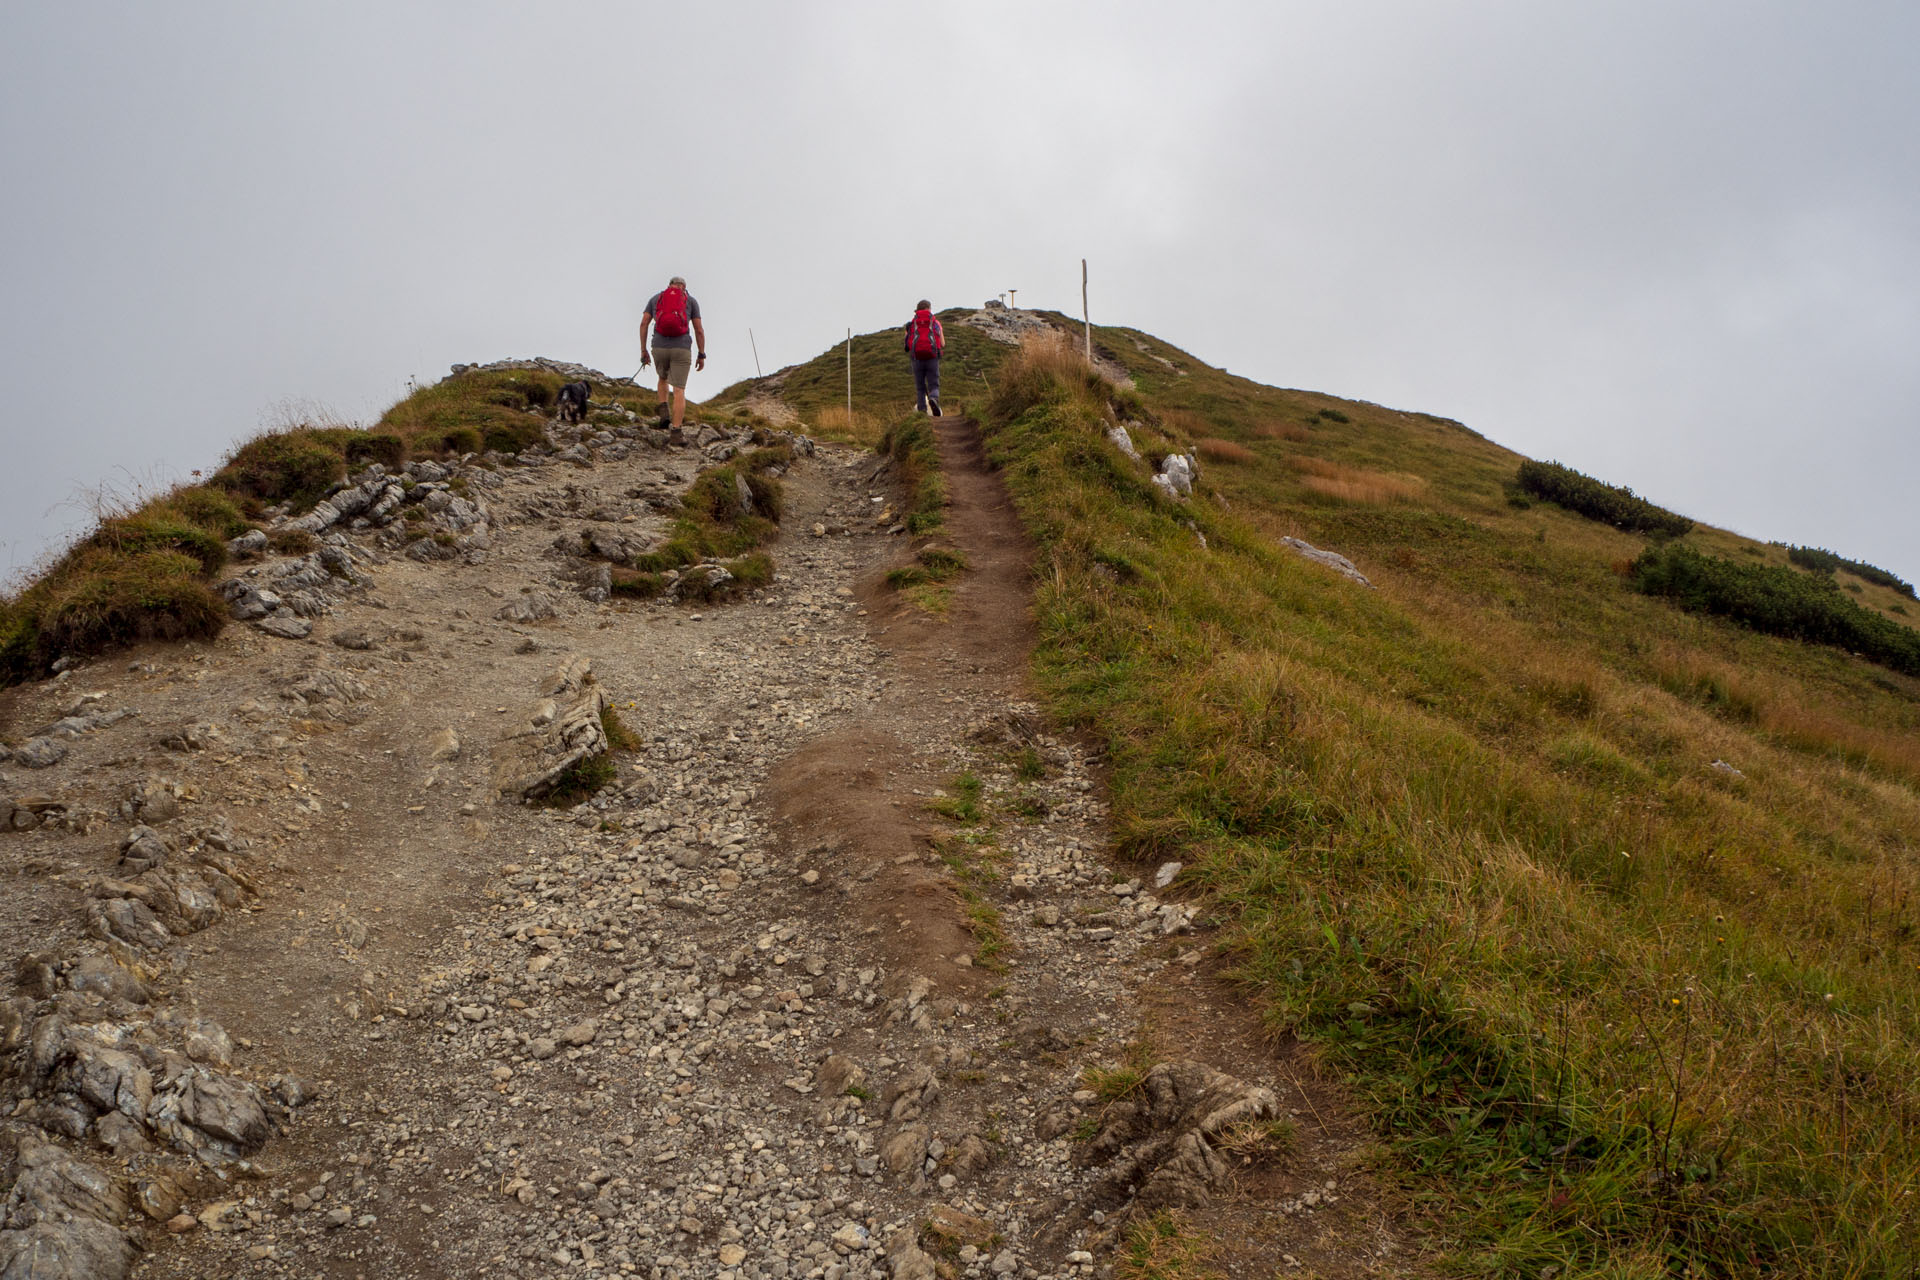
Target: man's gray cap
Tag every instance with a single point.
(679, 280)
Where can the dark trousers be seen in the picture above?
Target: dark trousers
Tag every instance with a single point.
(926, 382)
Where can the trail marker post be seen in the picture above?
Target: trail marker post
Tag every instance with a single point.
(1086, 317)
(849, 380)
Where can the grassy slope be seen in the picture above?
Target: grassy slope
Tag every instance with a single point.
(1615, 1010)
(882, 380)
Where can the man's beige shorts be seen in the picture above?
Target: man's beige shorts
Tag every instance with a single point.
(674, 364)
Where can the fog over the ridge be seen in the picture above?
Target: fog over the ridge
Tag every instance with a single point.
(1676, 246)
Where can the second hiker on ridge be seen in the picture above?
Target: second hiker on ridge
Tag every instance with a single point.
(674, 317)
(925, 341)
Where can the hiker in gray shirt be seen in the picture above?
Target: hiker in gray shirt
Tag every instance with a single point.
(674, 317)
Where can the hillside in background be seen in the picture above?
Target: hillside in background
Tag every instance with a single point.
(1604, 905)
(1578, 840)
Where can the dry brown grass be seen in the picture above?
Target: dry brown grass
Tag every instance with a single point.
(861, 428)
(1771, 704)
(1283, 430)
(1352, 484)
(1214, 449)
(1048, 366)
(1166, 1246)
(1187, 423)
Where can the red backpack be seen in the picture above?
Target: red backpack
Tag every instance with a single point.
(671, 320)
(925, 341)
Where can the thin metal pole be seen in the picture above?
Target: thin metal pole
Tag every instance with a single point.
(756, 354)
(849, 379)
(1086, 315)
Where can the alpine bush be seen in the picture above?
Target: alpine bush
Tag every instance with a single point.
(1777, 601)
(1609, 504)
(1820, 560)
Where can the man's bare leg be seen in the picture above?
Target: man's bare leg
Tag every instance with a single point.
(679, 406)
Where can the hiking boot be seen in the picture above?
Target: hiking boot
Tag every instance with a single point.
(935, 405)
(663, 415)
(675, 436)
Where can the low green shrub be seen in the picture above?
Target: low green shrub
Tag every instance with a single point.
(1609, 504)
(1820, 560)
(1776, 601)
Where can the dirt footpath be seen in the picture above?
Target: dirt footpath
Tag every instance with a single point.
(835, 979)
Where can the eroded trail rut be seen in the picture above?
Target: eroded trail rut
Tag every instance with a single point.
(787, 999)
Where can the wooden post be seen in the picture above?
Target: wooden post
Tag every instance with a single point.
(1086, 316)
(756, 353)
(849, 380)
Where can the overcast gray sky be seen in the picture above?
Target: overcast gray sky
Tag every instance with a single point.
(1676, 245)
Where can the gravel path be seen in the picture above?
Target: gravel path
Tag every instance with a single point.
(812, 989)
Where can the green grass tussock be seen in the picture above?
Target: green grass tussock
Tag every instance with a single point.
(619, 738)
(580, 782)
(471, 412)
(142, 574)
(593, 773)
(715, 526)
(931, 564)
(1612, 1010)
(299, 465)
(910, 443)
(1777, 601)
(1165, 1246)
(1610, 504)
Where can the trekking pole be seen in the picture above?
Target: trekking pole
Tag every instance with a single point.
(629, 381)
(756, 354)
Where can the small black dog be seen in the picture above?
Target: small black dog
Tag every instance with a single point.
(573, 402)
